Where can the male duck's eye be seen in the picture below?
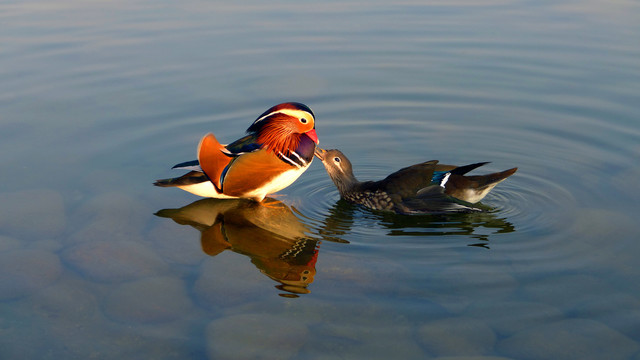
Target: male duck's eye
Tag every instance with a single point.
(303, 120)
(336, 159)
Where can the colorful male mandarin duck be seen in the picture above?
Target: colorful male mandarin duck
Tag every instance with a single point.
(277, 149)
(423, 188)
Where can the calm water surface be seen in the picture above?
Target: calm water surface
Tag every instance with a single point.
(98, 99)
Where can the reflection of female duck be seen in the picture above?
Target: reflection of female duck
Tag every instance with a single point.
(478, 226)
(269, 233)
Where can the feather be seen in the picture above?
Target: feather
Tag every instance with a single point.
(277, 135)
(251, 171)
(243, 145)
(461, 170)
(212, 160)
(192, 165)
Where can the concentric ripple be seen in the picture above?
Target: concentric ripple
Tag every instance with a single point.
(382, 136)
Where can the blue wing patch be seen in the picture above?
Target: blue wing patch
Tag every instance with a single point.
(440, 177)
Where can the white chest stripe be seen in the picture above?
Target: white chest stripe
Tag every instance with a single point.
(289, 160)
(304, 163)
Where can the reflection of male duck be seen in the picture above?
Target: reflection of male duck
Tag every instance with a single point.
(269, 233)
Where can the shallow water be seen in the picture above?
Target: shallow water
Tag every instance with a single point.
(99, 99)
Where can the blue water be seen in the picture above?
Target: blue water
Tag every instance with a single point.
(99, 99)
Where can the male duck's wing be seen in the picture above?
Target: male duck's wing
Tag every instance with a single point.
(252, 171)
(238, 147)
(193, 165)
(213, 159)
(245, 144)
(190, 178)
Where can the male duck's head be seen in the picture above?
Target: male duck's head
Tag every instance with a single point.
(283, 126)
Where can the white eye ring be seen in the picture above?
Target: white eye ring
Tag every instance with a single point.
(336, 159)
(303, 120)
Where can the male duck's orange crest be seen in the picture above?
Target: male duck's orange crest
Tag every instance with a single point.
(279, 129)
(279, 134)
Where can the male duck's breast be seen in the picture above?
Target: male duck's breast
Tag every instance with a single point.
(260, 172)
(277, 183)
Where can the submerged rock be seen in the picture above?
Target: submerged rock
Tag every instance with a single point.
(360, 329)
(32, 213)
(110, 216)
(565, 291)
(456, 337)
(149, 300)
(228, 280)
(113, 261)
(9, 243)
(255, 336)
(619, 311)
(458, 286)
(509, 317)
(569, 339)
(69, 298)
(23, 272)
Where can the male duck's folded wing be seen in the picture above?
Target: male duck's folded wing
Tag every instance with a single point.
(193, 165)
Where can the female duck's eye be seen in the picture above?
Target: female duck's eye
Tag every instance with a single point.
(336, 159)
(303, 120)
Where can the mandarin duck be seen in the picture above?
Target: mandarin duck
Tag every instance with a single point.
(277, 149)
(269, 233)
(423, 188)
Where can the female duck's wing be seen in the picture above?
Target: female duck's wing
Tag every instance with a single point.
(432, 199)
(407, 181)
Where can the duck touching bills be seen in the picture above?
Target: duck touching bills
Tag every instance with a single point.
(424, 188)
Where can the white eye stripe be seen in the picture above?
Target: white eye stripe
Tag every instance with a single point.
(291, 112)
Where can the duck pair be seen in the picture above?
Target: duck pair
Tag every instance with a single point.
(280, 145)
